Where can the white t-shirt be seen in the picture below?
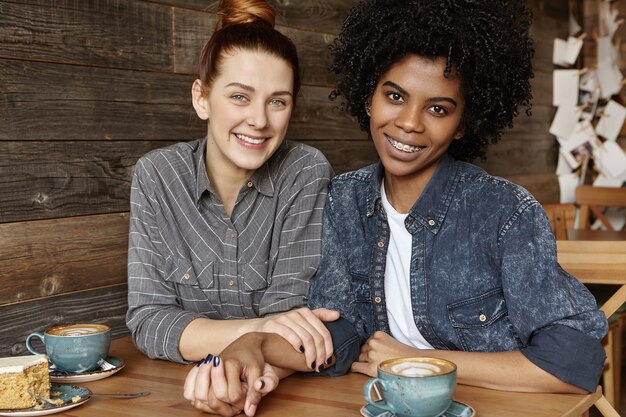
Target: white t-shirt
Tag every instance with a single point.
(398, 279)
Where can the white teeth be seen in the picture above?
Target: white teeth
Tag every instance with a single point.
(250, 140)
(403, 146)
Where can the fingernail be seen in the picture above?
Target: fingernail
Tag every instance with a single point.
(301, 348)
(216, 361)
(208, 358)
(262, 383)
(251, 410)
(200, 362)
(313, 365)
(329, 360)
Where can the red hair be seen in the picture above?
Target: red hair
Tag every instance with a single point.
(246, 25)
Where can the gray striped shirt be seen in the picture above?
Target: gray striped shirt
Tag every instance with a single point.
(187, 258)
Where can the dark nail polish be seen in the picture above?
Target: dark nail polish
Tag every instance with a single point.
(216, 361)
(329, 360)
(208, 358)
(313, 365)
(301, 348)
(200, 362)
(262, 384)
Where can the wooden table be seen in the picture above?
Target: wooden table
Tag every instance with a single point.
(597, 235)
(297, 396)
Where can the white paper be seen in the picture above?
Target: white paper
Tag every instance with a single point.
(606, 53)
(562, 166)
(604, 181)
(559, 52)
(565, 87)
(611, 121)
(573, 49)
(565, 120)
(610, 78)
(574, 27)
(579, 145)
(616, 216)
(611, 159)
(588, 100)
(567, 188)
(569, 158)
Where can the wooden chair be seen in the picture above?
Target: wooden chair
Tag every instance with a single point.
(601, 262)
(562, 217)
(592, 200)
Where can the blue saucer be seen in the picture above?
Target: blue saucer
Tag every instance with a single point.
(456, 409)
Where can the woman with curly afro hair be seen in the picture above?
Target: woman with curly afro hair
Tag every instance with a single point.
(423, 253)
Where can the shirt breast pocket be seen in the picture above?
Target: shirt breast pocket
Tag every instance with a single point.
(482, 324)
(190, 281)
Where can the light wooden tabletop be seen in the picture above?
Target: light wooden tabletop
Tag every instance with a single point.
(297, 396)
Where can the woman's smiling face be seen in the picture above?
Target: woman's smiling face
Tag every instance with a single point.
(415, 114)
(248, 107)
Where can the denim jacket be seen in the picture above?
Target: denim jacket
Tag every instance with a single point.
(484, 274)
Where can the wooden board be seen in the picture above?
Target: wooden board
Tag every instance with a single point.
(50, 257)
(137, 35)
(42, 180)
(106, 305)
(68, 102)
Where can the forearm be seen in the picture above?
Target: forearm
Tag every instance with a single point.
(506, 371)
(203, 336)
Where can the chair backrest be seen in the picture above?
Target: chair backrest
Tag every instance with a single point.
(595, 262)
(561, 217)
(592, 199)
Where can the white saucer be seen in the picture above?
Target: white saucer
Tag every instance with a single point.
(118, 365)
(72, 396)
(456, 409)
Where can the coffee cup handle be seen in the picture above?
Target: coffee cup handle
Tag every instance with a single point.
(28, 345)
(367, 393)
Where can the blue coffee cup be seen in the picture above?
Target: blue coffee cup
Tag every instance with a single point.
(413, 387)
(74, 348)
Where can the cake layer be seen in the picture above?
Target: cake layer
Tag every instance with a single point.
(20, 378)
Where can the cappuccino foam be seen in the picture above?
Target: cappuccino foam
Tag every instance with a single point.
(77, 329)
(415, 369)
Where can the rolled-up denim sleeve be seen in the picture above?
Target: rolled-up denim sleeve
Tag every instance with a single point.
(568, 354)
(553, 313)
(331, 288)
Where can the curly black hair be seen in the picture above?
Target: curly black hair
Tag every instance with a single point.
(485, 41)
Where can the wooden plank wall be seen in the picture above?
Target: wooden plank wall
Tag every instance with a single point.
(88, 86)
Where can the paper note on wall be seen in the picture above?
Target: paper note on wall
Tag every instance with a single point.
(565, 120)
(610, 159)
(611, 121)
(565, 90)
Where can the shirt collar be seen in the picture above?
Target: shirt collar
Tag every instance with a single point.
(261, 179)
(432, 206)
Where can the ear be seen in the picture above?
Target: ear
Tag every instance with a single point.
(368, 106)
(459, 134)
(200, 100)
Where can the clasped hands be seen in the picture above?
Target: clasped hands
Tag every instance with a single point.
(240, 376)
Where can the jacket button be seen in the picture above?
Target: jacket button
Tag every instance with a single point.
(231, 282)
(186, 275)
(250, 184)
(381, 244)
(377, 300)
(431, 222)
(482, 318)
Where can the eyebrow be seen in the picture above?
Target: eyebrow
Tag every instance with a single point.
(251, 89)
(406, 93)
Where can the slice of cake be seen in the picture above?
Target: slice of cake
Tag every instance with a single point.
(20, 376)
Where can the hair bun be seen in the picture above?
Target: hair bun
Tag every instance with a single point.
(233, 12)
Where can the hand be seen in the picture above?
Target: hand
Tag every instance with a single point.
(198, 390)
(232, 382)
(378, 348)
(304, 330)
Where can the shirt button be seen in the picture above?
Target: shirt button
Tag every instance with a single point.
(233, 235)
(250, 184)
(231, 282)
(431, 222)
(381, 244)
(186, 275)
(377, 300)
(482, 318)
